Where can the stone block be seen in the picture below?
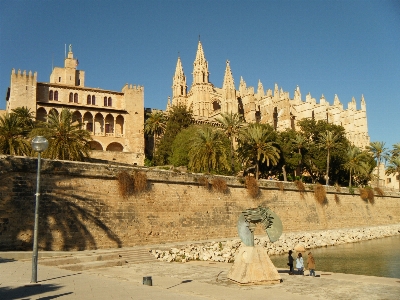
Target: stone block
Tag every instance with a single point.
(253, 266)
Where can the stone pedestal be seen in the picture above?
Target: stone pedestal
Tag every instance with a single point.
(253, 266)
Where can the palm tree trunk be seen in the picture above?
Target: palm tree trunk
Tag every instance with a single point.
(350, 179)
(257, 171)
(379, 162)
(284, 173)
(327, 169)
(154, 144)
(232, 166)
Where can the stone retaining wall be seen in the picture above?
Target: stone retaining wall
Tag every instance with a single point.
(81, 207)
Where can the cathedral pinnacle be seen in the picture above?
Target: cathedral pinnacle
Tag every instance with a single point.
(228, 78)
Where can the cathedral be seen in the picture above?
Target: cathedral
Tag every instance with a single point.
(274, 107)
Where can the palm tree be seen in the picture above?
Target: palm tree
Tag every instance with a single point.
(255, 146)
(26, 117)
(394, 167)
(207, 151)
(299, 143)
(13, 135)
(66, 140)
(378, 151)
(396, 150)
(231, 125)
(328, 141)
(155, 125)
(355, 162)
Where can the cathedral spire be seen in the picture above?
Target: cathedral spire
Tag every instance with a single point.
(200, 66)
(228, 79)
(179, 87)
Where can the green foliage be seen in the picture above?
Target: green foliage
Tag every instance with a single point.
(13, 135)
(231, 125)
(66, 140)
(180, 146)
(315, 157)
(208, 151)
(256, 145)
(179, 117)
(378, 151)
(357, 162)
(155, 125)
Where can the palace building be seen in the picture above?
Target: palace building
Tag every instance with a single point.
(114, 119)
(274, 107)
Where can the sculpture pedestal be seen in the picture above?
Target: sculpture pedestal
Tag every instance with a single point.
(253, 266)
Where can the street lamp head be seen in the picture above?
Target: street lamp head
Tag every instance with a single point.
(39, 144)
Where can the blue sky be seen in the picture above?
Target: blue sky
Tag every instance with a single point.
(346, 48)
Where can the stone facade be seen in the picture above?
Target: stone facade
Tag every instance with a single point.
(81, 207)
(271, 107)
(114, 119)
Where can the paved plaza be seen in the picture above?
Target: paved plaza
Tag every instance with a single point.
(191, 280)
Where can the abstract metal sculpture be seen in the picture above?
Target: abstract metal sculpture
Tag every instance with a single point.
(248, 220)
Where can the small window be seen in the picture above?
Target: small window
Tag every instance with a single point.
(59, 79)
(105, 101)
(79, 82)
(109, 101)
(76, 98)
(93, 100)
(56, 95)
(51, 95)
(89, 100)
(397, 177)
(388, 180)
(71, 97)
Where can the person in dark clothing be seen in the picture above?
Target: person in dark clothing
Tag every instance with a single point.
(290, 263)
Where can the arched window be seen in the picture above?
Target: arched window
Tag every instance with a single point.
(89, 100)
(109, 101)
(76, 98)
(312, 115)
(71, 97)
(93, 100)
(51, 95)
(105, 101)
(56, 95)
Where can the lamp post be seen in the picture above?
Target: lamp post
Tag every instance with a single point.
(39, 144)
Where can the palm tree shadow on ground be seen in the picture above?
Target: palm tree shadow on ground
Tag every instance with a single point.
(67, 221)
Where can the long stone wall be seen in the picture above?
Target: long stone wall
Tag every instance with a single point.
(81, 207)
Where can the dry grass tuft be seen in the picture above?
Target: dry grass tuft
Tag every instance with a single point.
(367, 194)
(125, 184)
(337, 200)
(379, 191)
(219, 185)
(252, 186)
(363, 194)
(300, 186)
(320, 193)
(280, 185)
(203, 181)
(140, 182)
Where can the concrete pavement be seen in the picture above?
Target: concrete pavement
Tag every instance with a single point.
(191, 280)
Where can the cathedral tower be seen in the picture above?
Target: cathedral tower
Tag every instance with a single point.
(200, 67)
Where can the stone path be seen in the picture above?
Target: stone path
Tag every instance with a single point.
(192, 280)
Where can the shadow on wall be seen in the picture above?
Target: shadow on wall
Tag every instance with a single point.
(67, 221)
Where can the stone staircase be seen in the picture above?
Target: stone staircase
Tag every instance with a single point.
(99, 259)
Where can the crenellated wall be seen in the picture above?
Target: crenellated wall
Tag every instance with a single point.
(81, 207)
